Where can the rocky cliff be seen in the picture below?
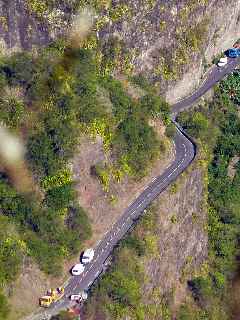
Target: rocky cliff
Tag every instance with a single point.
(182, 234)
(170, 41)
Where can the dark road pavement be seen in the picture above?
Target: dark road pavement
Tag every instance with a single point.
(215, 75)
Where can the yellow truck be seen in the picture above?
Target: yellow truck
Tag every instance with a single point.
(52, 296)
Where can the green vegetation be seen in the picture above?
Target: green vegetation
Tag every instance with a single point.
(12, 249)
(217, 128)
(121, 10)
(42, 8)
(131, 138)
(4, 308)
(113, 53)
(189, 41)
(55, 226)
(103, 175)
(37, 7)
(52, 99)
(174, 219)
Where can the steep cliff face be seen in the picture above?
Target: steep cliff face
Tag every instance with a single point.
(25, 24)
(224, 29)
(170, 41)
(182, 238)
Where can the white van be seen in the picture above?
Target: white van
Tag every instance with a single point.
(87, 256)
(78, 269)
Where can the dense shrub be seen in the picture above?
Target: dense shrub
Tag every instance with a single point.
(60, 197)
(136, 139)
(4, 307)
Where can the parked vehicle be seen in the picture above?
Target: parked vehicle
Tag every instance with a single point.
(222, 62)
(87, 256)
(52, 296)
(79, 297)
(75, 297)
(233, 52)
(78, 269)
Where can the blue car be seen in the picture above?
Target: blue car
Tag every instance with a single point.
(233, 53)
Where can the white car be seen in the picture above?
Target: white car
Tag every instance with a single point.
(75, 297)
(78, 269)
(222, 62)
(87, 256)
(79, 297)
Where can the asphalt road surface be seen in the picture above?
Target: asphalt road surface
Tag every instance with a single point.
(185, 151)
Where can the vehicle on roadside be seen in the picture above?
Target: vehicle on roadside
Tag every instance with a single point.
(87, 256)
(52, 296)
(79, 297)
(78, 269)
(222, 62)
(233, 52)
(75, 297)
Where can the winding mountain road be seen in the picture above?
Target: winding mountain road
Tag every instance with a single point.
(185, 153)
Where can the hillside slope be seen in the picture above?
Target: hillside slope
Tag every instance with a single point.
(172, 45)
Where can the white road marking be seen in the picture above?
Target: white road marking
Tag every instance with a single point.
(98, 243)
